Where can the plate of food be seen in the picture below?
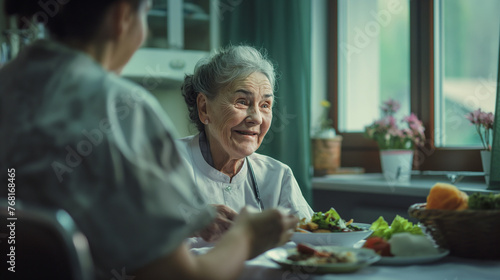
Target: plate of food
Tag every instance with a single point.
(330, 229)
(323, 259)
(410, 260)
(402, 243)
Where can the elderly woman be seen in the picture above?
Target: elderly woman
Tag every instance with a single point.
(230, 100)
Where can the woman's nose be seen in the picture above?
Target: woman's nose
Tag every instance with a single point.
(254, 115)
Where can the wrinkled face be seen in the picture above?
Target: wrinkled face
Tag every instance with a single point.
(240, 116)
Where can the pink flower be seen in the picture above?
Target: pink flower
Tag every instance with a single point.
(417, 128)
(473, 117)
(394, 131)
(412, 118)
(391, 106)
(487, 120)
(415, 125)
(482, 120)
(389, 135)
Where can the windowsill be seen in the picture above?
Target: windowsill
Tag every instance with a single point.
(419, 185)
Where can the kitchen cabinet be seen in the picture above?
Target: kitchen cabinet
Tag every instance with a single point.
(180, 33)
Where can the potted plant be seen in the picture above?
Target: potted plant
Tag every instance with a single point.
(326, 145)
(484, 126)
(396, 140)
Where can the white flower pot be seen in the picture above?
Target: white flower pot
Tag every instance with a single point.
(486, 159)
(396, 165)
(326, 134)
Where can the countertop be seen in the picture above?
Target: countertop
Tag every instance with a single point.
(419, 185)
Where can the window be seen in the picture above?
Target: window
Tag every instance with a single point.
(430, 56)
(374, 60)
(466, 40)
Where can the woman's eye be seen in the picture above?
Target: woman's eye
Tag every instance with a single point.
(242, 102)
(266, 105)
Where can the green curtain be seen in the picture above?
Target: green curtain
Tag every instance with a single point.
(495, 153)
(283, 28)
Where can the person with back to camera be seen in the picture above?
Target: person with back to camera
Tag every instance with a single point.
(230, 97)
(98, 146)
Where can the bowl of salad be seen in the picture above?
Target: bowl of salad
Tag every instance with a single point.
(329, 229)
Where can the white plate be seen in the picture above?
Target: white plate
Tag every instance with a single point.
(413, 260)
(365, 257)
(346, 239)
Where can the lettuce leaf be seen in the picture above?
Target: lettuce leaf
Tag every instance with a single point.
(382, 229)
(332, 213)
(379, 227)
(326, 220)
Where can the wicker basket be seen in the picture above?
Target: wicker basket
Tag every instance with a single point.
(326, 155)
(466, 233)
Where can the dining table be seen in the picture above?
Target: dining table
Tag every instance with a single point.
(447, 268)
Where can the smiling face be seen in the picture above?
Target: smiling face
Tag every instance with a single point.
(239, 117)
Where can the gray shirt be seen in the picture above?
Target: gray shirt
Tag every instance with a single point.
(100, 147)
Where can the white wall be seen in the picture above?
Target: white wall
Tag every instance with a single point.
(172, 101)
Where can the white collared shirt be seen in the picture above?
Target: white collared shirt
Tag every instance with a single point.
(275, 180)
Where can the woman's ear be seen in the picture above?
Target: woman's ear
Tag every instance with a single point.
(122, 16)
(201, 102)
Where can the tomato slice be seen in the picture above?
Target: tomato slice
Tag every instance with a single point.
(304, 249)
(379, 245)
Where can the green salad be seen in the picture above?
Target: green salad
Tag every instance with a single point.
(332, 221)
(382, 229)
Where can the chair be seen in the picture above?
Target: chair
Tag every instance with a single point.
(48, 245)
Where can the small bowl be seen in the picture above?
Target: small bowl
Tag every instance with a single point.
(346, 239)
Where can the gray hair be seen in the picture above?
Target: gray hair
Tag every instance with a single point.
(214, 73)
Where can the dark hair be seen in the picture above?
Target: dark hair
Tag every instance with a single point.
(64, 19)
(216, 72)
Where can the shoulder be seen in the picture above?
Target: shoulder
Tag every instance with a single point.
(138, 125)
(126, 91)
(186, 143)
(130, 104)
(187, 139)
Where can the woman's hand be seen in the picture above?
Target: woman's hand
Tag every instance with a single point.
(271, 228)
(251, 235)
(222, 222)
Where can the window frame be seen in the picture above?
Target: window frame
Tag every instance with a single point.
(358, 151)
